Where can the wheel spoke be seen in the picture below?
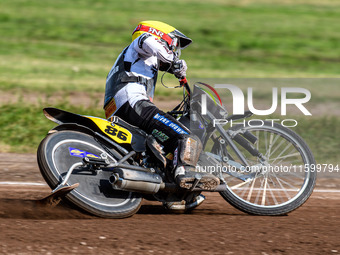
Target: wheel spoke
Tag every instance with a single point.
(240, 184)
(287, 183)
(272, 142)
(251, 188)
(283, 151)
(259, 192)
(276, 148)
(244, 190)
(271, 192)
(282, 188)
(264, 191)
(284, 157)
(265, 141)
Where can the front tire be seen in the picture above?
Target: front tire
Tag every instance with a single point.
(286, 180)
(61, 150)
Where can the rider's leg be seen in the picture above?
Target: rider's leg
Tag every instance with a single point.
(175, 138)
(145, 115)
(186, 158)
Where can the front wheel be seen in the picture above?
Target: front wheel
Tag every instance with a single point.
(276, 183)
(60, 151)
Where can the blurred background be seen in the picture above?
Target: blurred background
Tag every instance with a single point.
(58, 52)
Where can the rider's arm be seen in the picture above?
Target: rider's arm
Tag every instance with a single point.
(149, 45)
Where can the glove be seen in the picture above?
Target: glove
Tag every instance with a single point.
(179, 68)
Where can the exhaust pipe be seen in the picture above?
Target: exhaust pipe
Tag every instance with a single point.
(136, 181)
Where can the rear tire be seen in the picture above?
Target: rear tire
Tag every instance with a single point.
(61, 150)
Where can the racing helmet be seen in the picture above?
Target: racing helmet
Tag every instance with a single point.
(172, 37)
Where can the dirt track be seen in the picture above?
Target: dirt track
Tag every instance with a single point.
(213, 228)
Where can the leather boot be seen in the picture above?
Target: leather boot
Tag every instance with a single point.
(185, 177)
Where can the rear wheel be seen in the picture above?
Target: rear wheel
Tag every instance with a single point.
(60, 151)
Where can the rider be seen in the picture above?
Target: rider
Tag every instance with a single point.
(129, 91)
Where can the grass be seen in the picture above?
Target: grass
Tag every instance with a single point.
(24, 126)
(323, 90)
(322, 136)
(72, 44)
(64, 47)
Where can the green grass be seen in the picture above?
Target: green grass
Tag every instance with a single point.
(322, 135)
(24, 126)
(72, 44)
(323, 90)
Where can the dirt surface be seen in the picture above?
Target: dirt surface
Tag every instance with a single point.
(213, 228)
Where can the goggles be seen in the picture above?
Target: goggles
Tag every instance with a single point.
(176, 47)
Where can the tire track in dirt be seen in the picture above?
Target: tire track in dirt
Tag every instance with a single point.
(213, 228)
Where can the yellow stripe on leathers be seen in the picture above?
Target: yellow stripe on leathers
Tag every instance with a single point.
(115, 132)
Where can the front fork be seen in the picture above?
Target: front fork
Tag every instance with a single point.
(251, 171)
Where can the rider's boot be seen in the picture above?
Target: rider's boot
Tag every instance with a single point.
(186, 177)
(183, 206)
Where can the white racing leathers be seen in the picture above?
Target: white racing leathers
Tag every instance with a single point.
(140, 59)
(130, 88)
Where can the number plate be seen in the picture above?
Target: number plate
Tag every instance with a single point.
(115, 132)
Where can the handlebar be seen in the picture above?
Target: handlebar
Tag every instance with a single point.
(184, 82)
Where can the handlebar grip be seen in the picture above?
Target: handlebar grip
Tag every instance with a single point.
(184, 82)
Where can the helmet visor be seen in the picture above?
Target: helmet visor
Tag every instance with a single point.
(184, 41)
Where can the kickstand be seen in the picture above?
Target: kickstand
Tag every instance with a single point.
(55, 197)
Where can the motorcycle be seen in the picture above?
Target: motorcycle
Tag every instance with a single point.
(107, 166)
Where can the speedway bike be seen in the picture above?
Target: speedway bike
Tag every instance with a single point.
(106, 167)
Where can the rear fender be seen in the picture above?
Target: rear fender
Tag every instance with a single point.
(101, 138)
(118, 131)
